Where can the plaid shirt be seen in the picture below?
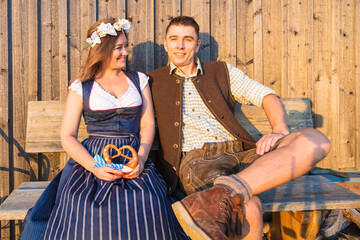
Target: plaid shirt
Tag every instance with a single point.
(199, 124)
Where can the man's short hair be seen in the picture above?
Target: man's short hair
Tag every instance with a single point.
(185, 21)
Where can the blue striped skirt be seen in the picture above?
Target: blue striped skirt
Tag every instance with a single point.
(90, 208)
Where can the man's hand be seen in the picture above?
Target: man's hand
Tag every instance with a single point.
(267, 141)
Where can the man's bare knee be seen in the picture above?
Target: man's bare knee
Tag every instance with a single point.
(315, 142)
(253, 208)
(309, 142)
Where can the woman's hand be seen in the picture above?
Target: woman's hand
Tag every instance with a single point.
(138, 169)
(107, 173)
(267, 142)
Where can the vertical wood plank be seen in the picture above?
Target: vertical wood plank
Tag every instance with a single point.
(258, 42)
(309, 46)
(285, 48)
(112, 9)
(32, 66)
(49, 73)
(298, 49)
(47, 88)
(346, 84)
(249, 39)
(322, 76)
(63, 48)
(22, 171)
(241, 35)
(164, 12)
(4, 116)
(33, 50)
(223, 29)
(335, 118)
(200, 11)
(357, 81)
(141, 36)
(272, 44)
(88, 18)
(75, 38)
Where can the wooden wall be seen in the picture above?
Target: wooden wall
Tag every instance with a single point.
(303, 48)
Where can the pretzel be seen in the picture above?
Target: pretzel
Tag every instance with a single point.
(133, 160)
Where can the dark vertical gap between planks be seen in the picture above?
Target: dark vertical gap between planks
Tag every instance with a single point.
(10, 112)
(68, 36)
(39, 95)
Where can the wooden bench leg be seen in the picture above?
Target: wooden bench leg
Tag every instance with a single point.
(300, 225)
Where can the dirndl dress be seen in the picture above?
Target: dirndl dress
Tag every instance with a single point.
(86, 207)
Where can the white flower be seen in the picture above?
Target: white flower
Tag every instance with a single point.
(122, 25)
(94, 39)
(104, 29)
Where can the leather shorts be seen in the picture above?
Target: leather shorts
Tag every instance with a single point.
(200, 167)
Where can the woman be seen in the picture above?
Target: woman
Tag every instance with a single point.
(101, 202)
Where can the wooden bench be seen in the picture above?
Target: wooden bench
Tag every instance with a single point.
(305, 193)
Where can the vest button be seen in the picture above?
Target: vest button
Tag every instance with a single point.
(175, 146)
(176, 124)
(119, 111)
(177, 81)
(177, 103)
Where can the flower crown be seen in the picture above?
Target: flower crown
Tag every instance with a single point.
(104, 29)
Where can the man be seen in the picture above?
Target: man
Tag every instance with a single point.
(204, 145)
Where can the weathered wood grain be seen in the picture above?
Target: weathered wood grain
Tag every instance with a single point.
(19, 92)
(311, 192)
(4, 111)
(249, 38)
(44, 121)
(200, 10)
(273, 47)
(141, 37)
(297, 47)
(352, 215)
(322, 76)
(305, 193)
(285, 48)
(223, 30)
(357, 82)
(63, 57)
(43, 126)
(254, 120)
(335, 96)
(164, 11)
(21, 200)
(347, 137)
(258, 42)
(241, 35)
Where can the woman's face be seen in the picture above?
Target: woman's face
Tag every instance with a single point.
(117, 58)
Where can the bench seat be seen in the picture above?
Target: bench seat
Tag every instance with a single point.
(309, 192)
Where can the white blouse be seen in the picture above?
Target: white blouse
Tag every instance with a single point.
(102, 100)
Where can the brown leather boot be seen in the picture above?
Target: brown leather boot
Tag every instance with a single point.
(209, 214)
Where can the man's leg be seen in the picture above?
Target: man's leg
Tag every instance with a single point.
(294, 156)
(252, 226)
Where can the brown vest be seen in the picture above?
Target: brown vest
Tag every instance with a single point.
(167, 92)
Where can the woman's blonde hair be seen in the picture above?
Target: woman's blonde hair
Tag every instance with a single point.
(99, 52)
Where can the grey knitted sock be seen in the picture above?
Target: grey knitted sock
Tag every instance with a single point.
(237, 185)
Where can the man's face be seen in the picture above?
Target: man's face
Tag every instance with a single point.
(181, 43)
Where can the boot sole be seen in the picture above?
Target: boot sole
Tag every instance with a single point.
(187, 223)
